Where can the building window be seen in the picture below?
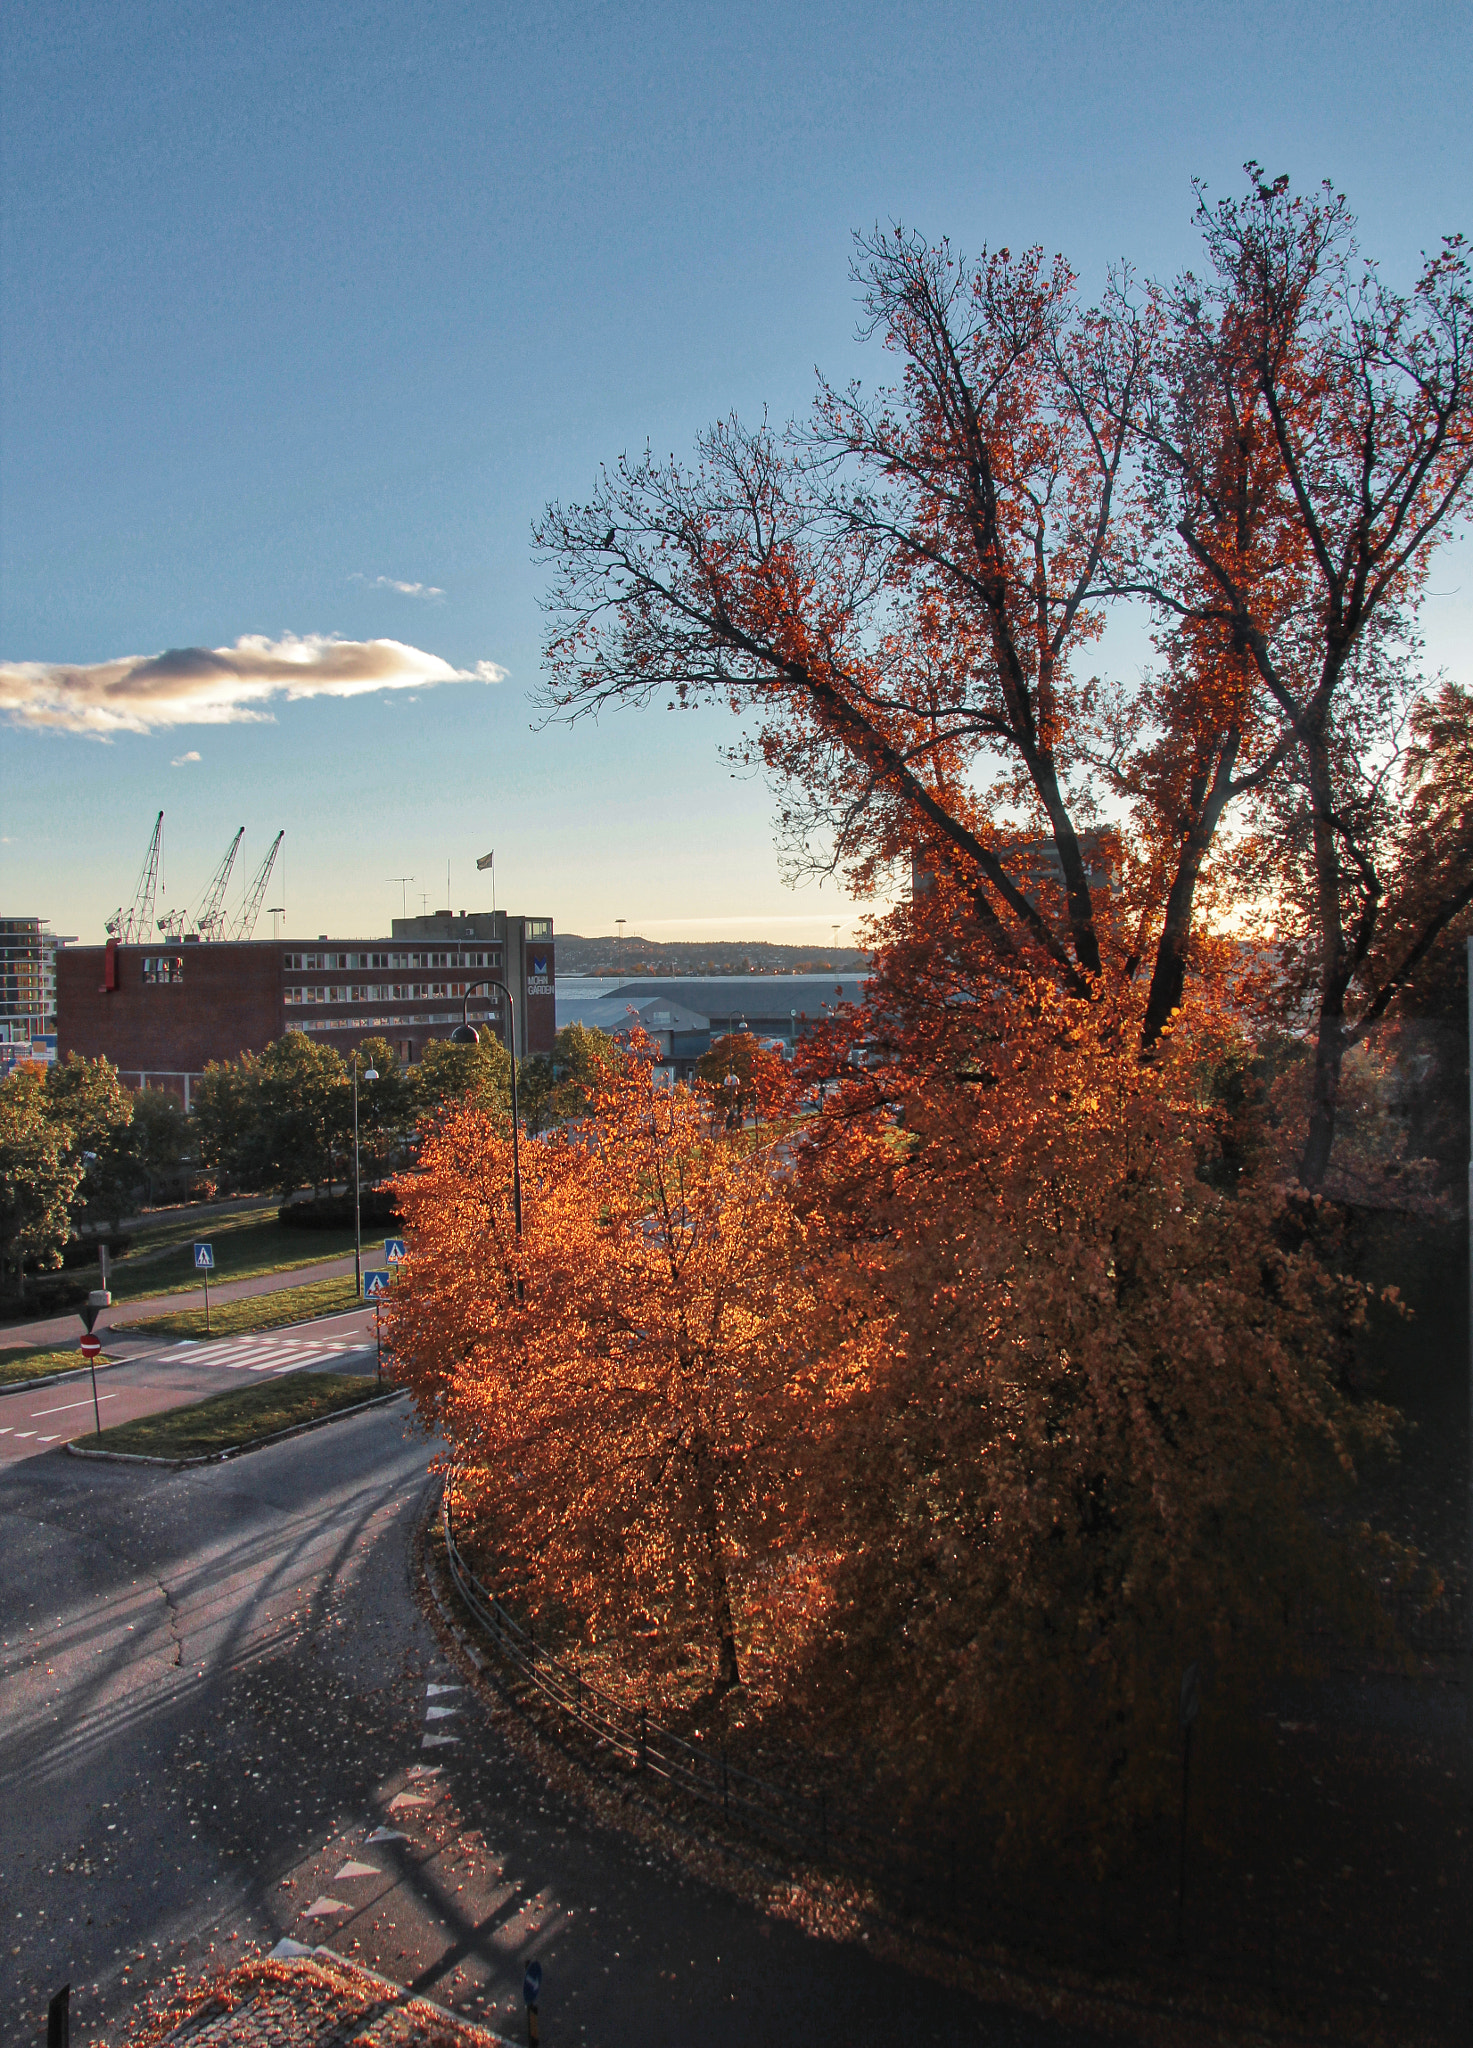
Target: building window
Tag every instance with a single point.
(539, 927)
(292, 962)
(162, 969)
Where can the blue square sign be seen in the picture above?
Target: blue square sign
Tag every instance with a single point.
(204, 1258)
(376, 1281)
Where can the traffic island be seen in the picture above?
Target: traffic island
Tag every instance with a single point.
(244, 1419)
(253, 1312)
(302, 1998)
(37, 1364)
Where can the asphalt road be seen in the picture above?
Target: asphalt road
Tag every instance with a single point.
(36, 1419)
(67, 1328)
(216, 1684)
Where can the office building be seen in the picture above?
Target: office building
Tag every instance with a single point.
(162, 1012)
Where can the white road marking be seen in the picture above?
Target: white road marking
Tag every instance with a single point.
(391, 1834)
(286, 1352)
(437, 1741)
(440, 1713)
(320, 1908)
(357, 1870)
(432, 1690)
(37, 1413)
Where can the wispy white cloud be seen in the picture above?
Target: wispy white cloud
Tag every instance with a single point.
(217, 685)
(430, 592)
(180, 759)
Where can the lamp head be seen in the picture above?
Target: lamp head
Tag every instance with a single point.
(370, 1073)
(465, 1034)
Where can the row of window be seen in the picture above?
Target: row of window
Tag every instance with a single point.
(376, 992)
(159, 968)
(376, 1023)
(311, 963)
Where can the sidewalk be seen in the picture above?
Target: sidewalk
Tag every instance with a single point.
(66, 1329)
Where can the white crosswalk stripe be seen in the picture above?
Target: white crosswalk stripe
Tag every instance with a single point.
(288, 1352)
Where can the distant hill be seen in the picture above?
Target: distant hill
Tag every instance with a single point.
(702, 956)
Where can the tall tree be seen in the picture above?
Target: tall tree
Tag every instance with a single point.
(90, 1103)
(40, 1172)
(629, 1391)
(1308, 442)
(900, 594)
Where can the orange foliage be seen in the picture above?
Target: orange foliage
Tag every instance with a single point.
(636, 1394)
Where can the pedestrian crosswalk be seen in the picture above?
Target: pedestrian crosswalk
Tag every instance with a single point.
(286, 1351)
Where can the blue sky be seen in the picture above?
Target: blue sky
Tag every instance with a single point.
(305, 303)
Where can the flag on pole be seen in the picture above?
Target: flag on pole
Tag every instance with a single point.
(487, 860)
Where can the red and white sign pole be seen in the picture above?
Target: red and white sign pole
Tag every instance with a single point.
(97, 1301)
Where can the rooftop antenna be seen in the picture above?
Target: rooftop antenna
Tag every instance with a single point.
(621, 922)
(404, 882)
(276, 910)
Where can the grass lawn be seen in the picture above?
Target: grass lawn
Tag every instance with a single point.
(239, 1417)
(245, 1247)
(35, 1361)
(255, 1312)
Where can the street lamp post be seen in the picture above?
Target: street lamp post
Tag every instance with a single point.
(465, 1033)
(369, 1074)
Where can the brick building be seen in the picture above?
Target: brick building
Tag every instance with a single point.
(162, 1012)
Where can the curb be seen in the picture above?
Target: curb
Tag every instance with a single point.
(289, 1951)
(58, 1379)
(277, 1436)
(318, 1315)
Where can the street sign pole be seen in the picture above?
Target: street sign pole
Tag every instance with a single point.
(204, 1260)
(378, 1339)
(97, 1301)
(531, 1992)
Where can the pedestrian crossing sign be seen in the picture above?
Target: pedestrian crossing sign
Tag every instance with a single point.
(394, 1250)
(204, 1258)
(376, 1281)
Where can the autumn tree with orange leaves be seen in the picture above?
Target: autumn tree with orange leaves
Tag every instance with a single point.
(635, 1392)
(902, 592)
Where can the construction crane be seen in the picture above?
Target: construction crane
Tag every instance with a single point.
(210, 924)
(246, 925)
(134, 925)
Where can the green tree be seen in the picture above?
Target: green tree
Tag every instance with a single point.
(227, 1114)
(89, 1103)
(386, 1107)
(305, 1114)
(557, 1088)
(161, 1138)
(477, 1075)
(40, 1173)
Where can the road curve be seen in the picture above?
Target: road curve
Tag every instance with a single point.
(215, 1682)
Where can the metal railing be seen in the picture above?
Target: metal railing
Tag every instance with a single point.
(805, 1817)
(906, 1870)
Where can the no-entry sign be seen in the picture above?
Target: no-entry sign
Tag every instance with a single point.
(90, 1346)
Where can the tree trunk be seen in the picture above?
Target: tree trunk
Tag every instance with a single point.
(728, 1673)
(1169, 976)
(1329, 1051)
